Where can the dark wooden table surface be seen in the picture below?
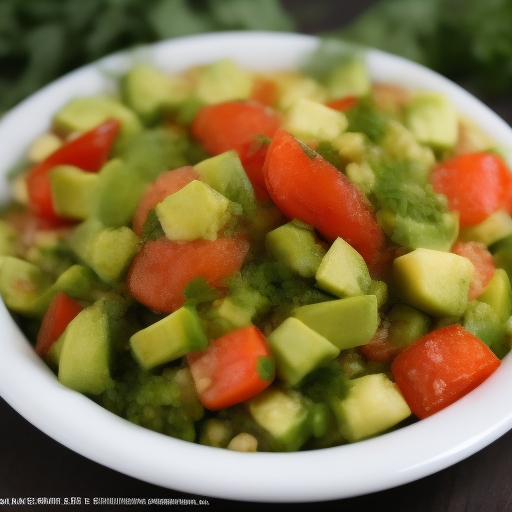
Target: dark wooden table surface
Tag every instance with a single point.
(33, 465)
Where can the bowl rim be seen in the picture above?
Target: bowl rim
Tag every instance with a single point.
(80, 424)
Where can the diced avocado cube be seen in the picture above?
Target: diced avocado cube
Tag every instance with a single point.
(84, 114)
(118, 193)
(309, 120)
(107, 251)
(346, 323)
(433, 120)
(407, 325)
(149, 92)
(21, 284)
(433, 281)
(498, 294)
(343, 271)
(298, 350)
(233, 315)
(401, 144)
(43, 147)
(52, 357)
(225, 174)
(73, 191)
(86, 352)
(77, 281)
(380, 290)
(169, 338)
(496, 227)
(223, 81)
(481, 320)
(292, 87)
(349, 78)
(10, 243)
(374, 404)
(294, 245)
(113, 252)
(502, 258)
(361, 175)
(284, 417)
(414, 234)
(195, 211)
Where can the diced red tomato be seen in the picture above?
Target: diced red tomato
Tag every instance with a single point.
(236, 125)
(162, 268)
(305, 186)
(442, 367)
(61, 311)
(476, 185)
(232, 369)
(166, 184)
(343, 104)
(265, 91)
(88, 152)
(483, 263)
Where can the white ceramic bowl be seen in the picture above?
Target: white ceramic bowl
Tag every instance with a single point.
(75, 421)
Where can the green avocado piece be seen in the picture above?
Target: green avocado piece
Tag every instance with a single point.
(502, 257)
(108, 251)
(86, 353)
(84, 114)
(481, 320)
(195, 211)
(284, 417)
(407, 325)
(10, 242)
(380, 290)
(435, 282)
(118, 193)
(223, 81)
(373, 405)
(169, 338)
(149, 92)
(298, 350)
(349, 78)
(496, 227)
(433, 120)
(310, 120)
(21, 285)
(225, 174)
(498, 294)
(73, 191)
(294, 245)
(346, 323)
(343, 271)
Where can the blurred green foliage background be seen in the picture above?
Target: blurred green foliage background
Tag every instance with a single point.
(466, 40)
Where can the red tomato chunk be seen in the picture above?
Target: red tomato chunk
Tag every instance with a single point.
(233, 368)
(441, 368)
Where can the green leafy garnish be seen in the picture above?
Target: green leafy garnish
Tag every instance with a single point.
(198, 291)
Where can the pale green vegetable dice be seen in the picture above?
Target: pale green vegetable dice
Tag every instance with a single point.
(433, 281)
(298, 350)
(195, 211)
(373, 405)
(343, 271)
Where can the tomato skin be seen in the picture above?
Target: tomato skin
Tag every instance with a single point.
(226, 372)
(441, 368)
(483, 263)
(265, 91)
(88, 152)
(343, 104)
(476, 185)
(310, 189)
(235, 125)
(166, 184)
(162, 268)
(61, 311)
